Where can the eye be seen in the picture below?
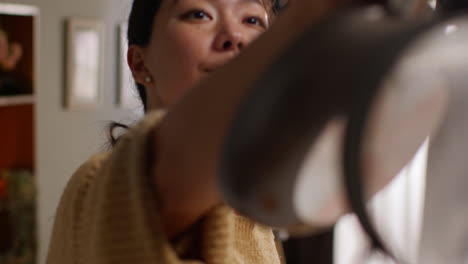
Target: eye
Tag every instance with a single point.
(255, 21)
(196, 15)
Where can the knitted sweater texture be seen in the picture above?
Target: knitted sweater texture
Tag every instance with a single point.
(108, 215)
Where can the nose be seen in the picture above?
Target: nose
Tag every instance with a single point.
(230, 38)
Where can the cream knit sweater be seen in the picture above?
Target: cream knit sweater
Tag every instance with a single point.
(108, 214)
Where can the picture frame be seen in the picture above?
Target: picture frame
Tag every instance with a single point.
(84, 63)
(127, 95)
(18, 27)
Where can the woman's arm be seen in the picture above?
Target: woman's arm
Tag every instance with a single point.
(189, 140)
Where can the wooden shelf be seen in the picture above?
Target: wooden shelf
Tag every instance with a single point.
(16, 100)
(17, 140)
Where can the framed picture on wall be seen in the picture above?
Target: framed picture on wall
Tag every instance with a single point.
(127, 96)
(17, 49)
(85, 41)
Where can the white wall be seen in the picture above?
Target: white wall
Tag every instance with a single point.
(445, 230)
(397, 214)
(65, 139)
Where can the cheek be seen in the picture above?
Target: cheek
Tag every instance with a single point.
(187, 44)
(253, 35)
(180, 40)
(176, 60)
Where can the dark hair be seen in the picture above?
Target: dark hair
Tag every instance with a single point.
(140, 27)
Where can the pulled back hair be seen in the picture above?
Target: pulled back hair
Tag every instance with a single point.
(140, 27)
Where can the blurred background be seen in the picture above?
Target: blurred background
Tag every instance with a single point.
(48, 129)
(44, 136)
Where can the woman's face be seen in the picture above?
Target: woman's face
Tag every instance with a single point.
(191, 39)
